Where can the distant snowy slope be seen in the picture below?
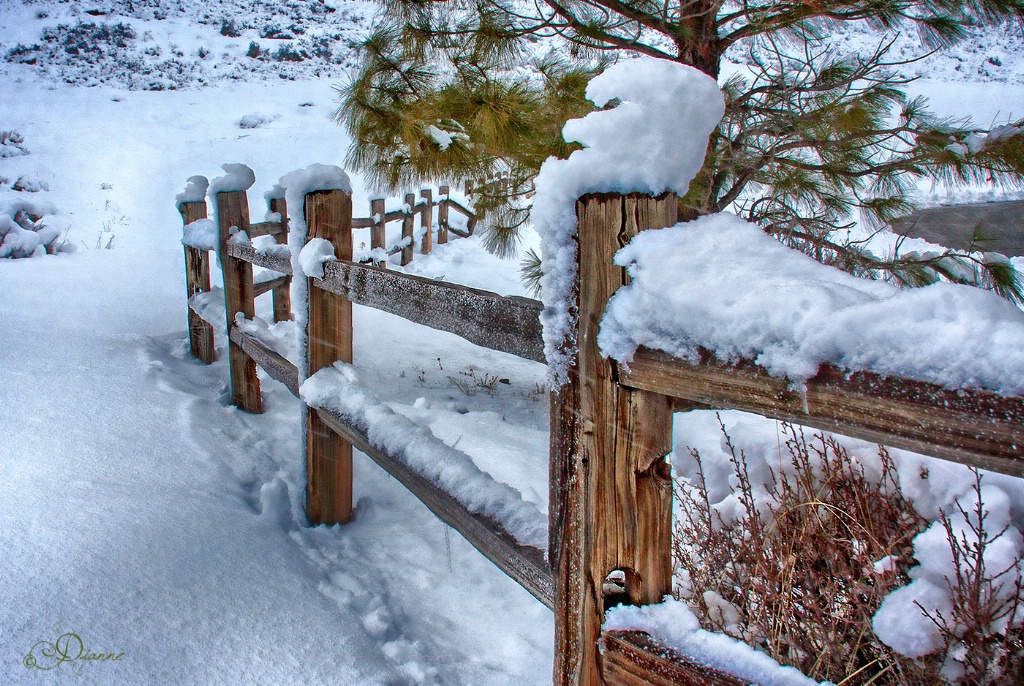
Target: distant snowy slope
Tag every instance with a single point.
(166, 45)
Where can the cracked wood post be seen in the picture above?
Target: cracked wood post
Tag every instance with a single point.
(442, 216)
(282, 294)
(378, 238)
(197, 280)
(233, 210)
(329, 335)
(427, 221)
(611, 491)
(408, 226)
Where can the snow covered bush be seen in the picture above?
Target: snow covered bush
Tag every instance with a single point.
(12, 144)
(23, 234)
(817, 562)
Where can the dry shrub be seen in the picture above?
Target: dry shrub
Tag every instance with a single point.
(800, 574)
(797, 577)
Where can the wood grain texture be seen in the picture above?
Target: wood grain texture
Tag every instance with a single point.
(632, 658)
(233, 211)
(197, 280)
(524, 564)
(282, 294)
(408, 227)
(442, 216)
(377, 234)
(329, 338)
(276, 365)
(972, 427)
(275, 229)
(247, 253)
(261, 287)
(507, 324)
(615, 485)
(427, 221)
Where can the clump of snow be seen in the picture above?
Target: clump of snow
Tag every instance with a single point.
(278, 336)
(901, 622)
(239, 238)
(443, 138)
(674, 624)
(653, 142)
(12, 144)
(237, 177)
(268, 245)
(314, 254)
(201, 234)
(339, 388)
(295, 185)
(722, 284)
(195, 190)
(22, 236)
(254, 121)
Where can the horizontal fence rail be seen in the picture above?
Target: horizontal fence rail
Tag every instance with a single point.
(968, 426)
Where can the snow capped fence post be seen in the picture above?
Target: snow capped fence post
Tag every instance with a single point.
(408, 227)
(427, 221)
(328, 215)
(378, 238)
(197, 280)
(233, 212)
(442, 216)
(282, 293)
(611, 491)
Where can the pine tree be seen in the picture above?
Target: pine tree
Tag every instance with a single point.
(810, 137)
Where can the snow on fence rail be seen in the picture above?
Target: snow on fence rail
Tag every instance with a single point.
(611, 497)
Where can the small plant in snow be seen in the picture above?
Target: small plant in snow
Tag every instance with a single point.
(799, 566)
(470, 381)
(12, 144)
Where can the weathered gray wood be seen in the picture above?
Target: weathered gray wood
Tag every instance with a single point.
(261, 287)
(233, 211)
(247, 253)
(614, 492)
(276, 365)
(442, 216)
(633, 658)
(524, 564)
(329, 335)
(408, 225)
(508, 324)
(427, 221)
(972, 427)
(197, 280)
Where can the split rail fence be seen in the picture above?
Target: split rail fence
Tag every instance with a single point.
(610, 513)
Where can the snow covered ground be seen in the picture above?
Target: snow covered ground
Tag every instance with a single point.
(141, 512)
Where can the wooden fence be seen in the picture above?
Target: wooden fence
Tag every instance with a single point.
(610, 506)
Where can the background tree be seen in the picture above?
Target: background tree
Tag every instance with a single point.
(456, 89)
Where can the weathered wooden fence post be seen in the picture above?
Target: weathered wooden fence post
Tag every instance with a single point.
(329, 338)
(282, 294)
(427, 221)
(471, 222)
(233, 211)
(378, 236)
(611, 492)
(442, 215)
(197, 280)
(408, 228)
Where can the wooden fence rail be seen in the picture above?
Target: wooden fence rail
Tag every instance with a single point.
(610, 487)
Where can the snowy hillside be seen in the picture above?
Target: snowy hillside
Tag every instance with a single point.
(141, 512)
